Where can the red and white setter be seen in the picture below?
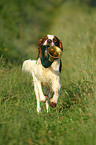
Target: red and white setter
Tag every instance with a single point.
(47, 77)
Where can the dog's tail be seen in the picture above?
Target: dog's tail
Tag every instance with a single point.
(28, 65)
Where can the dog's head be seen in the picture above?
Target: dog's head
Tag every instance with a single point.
(49, 40)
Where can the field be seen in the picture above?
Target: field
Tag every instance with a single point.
(73, 121)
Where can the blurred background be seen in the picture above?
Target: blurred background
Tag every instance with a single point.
(24, 22)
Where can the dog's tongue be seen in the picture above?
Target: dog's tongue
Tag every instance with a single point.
(45, 57)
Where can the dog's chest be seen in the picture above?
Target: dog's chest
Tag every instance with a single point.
(47, 75)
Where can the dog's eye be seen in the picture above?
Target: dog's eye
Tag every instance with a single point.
(54, 40)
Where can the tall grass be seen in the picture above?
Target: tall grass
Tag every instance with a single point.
(73, 121)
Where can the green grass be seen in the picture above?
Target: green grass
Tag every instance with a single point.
(73, 121)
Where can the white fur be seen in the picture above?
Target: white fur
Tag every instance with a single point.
(49, 77)
(50, 37)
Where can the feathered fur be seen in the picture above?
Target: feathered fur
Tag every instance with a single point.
(47, 77)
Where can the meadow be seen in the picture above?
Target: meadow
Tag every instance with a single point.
(73, 121)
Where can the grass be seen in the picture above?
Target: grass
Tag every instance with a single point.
(73, 121)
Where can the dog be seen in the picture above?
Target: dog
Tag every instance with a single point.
(49, 76)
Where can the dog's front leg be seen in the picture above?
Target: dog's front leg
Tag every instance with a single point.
(53, 101)
(37, 96)
(42, 97)
(38, 91)
(47, 105)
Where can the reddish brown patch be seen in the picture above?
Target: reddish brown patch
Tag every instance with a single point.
(52, 104)
(40, 44)
(58, 42)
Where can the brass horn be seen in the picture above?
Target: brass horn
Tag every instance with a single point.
(54, 52)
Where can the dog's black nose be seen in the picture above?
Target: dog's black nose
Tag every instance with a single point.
(49, 41)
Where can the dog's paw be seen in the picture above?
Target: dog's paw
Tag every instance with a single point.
(38, 109)
(52, 104)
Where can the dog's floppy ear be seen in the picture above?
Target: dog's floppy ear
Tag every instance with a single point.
(58, 43)
(39, 47)
(40, 44)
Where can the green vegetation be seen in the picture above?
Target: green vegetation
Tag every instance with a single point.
(22, 23)
(73, 121)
